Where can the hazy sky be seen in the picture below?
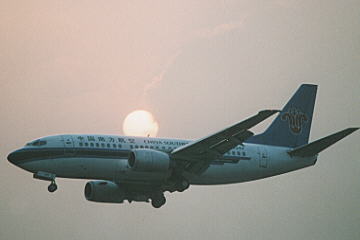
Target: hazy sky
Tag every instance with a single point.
(198, 66)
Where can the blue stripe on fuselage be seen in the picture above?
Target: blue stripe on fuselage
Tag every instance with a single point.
(29, 154)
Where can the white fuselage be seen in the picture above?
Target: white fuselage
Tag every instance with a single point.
(106, 157)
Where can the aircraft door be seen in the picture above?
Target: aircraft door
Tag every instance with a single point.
(263, 157)
(68, 145)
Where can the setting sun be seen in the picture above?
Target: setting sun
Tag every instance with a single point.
(140, 123)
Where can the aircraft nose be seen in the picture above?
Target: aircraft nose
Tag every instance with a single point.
(15, 156)
(12, 157)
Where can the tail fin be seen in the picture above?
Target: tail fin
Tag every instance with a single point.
(314, 148)
(292, 126)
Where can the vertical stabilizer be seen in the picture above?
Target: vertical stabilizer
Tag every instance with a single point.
(291, 128)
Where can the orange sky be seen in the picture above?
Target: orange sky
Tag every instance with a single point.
(198, 66)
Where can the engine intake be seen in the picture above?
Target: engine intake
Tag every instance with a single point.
(104, 191)
(149, 161)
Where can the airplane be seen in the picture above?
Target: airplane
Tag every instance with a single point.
(141, 169)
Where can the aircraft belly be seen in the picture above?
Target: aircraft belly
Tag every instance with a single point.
(68, 167)
(227, 173)
(132, 176)
(94, 168)
(102, 168)
(37, 165)
(279, 162)
(87, 168)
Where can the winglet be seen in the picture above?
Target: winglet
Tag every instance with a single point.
(314, 148)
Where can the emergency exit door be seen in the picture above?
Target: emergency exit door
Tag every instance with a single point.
(263, 157)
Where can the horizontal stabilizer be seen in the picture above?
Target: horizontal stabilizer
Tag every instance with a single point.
(314, 148)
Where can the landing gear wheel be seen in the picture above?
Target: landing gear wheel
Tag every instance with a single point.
(52, 187)
(182, 185)
(158, 201)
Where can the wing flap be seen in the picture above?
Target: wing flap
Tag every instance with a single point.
(227, 144)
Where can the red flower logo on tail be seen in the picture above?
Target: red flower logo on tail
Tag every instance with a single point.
(296, 119)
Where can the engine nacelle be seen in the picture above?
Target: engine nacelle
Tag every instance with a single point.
(149, 161)
(104, 191)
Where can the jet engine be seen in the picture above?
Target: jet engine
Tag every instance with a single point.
(104, 191)
(149, 161)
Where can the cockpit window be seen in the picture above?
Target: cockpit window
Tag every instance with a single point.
(37, 143)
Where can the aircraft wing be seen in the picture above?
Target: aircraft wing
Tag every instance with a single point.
(200, 153)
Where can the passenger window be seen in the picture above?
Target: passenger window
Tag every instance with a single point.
(114, 145)
(151, 147)
(91, 144)
(86, 144)
(131, 146)
(119, 145)
(141, 146)
(136, 146)
(146, 146)
(108, 145)
(97, 145)
(81, 144)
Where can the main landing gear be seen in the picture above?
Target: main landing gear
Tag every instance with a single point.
(182, 185)
(47, 177)
(158, 200)
(178, 184)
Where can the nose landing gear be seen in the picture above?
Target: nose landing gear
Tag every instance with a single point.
(47, 177)
(52, 187)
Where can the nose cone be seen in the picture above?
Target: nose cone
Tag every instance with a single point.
(12, 157)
